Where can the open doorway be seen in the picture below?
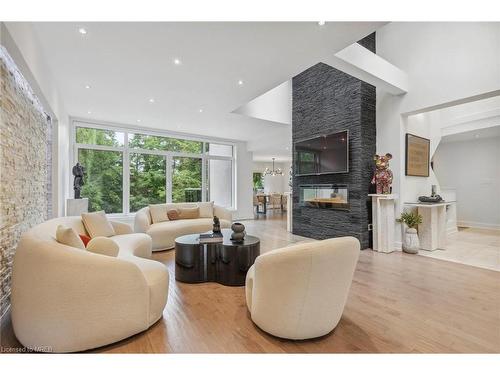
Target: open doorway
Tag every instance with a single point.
(465, 168)
(468, 165)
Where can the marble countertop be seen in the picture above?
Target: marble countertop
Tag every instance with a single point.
(423, 204)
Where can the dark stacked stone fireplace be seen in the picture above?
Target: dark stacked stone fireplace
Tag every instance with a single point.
(325, 196)
(325, 101)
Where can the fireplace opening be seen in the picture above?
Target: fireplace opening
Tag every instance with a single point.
(329, 196)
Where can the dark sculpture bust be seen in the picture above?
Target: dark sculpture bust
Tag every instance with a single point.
(78, 172)
(216, 227)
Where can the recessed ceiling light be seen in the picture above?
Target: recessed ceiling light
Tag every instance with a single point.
(477, 135)
(89, 112)
(177, 62)
(151, 100)
(88, 86)
(138, 120)
(321, 23)
(287, 148)
(200, 110)
(82, 30)
(240, 82)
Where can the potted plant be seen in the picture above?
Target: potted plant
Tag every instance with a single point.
(411, 244)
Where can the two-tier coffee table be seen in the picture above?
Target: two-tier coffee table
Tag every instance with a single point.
(226, 263)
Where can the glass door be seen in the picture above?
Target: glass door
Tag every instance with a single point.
(147, 180)
(186, 181)
(220, 182)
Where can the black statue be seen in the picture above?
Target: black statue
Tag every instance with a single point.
(78, 172)
(216, 227)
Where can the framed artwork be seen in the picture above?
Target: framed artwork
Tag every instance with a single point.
(417, 156)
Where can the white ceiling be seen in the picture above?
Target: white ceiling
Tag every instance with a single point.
(274, 105)
(126, 64)
(491, 132)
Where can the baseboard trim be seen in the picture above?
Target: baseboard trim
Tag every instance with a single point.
(475, 224)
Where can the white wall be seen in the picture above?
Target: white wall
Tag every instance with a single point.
(473, 169)
(244, 183)
(426, 125)
(21, 42)
(445, 62)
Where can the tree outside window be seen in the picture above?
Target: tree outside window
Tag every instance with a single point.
(258, 181)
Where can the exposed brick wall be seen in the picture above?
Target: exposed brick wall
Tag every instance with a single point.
(25, 172)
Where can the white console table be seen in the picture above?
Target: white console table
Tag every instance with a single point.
(383, 222)
(432, 231)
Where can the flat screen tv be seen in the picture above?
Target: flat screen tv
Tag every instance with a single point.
(323, 155)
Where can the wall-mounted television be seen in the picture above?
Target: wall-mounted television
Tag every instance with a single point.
(322, 155)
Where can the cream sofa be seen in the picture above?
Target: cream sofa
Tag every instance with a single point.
(299, 292)
(66, 299)
(164, 233)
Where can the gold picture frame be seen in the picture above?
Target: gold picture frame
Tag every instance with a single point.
(417, 156)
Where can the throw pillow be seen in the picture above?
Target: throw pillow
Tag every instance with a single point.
(97, 224)
(206, 209)
(158, 212)
(189, 213)
(173, 214)
(67, 236)
(85, 239)
(103, 246)
(171, 206)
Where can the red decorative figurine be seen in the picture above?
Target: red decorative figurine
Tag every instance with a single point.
(383, 175)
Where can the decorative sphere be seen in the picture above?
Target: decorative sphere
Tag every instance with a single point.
(238, 227)
(238, 236)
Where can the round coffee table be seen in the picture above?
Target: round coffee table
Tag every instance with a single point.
(226, 263)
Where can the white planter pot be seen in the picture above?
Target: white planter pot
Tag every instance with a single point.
(411, 244)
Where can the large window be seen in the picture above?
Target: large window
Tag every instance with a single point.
(153, 142)
(147, 180)
(186, 179)
(127, 170)
(103, 179)
(99, 137)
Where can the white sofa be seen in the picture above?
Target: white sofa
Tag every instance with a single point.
(299, 292)
(66, 299)
(164, 233)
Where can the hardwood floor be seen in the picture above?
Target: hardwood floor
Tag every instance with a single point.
(398, 303)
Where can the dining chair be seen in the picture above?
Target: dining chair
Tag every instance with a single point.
(276, 201)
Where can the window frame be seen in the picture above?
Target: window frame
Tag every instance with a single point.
(169, 155)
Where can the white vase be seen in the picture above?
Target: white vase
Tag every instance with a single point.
(411, 244)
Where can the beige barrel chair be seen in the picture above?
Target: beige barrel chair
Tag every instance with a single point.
(299, 292)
